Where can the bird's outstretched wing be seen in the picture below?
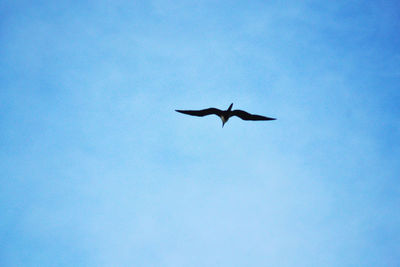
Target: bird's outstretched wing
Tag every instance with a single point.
(201, 113)
(250, 117)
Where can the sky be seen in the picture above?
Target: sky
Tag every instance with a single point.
(97, 169)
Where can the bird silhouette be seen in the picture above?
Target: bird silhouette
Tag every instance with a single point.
(226, 114)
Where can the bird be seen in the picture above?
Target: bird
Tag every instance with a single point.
(226, 114)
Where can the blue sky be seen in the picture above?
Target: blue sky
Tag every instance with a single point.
(97, 169)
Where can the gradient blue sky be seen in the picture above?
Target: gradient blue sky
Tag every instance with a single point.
(97, 169)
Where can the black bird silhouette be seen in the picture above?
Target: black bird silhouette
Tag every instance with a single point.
(226, 114)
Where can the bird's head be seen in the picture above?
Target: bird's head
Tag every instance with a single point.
(224, 120)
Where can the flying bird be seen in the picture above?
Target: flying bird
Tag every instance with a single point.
(226, 114)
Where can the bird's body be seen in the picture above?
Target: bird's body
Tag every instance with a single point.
(226, 114)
